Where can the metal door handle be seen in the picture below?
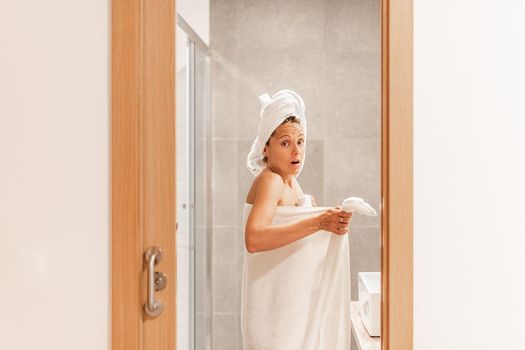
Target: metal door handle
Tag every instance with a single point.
(153, 307)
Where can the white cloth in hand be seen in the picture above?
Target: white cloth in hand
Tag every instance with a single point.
(358, 205)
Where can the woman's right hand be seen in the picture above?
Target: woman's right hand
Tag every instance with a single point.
(335, 220)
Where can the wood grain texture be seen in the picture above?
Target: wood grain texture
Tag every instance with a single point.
(126, 176)
(143, 169)
(397, 175)
(159, 161)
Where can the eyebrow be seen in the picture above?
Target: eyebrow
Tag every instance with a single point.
(289, 135)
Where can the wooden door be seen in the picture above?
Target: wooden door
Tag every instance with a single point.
(143, 169)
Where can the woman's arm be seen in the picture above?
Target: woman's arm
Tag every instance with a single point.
(260, 234)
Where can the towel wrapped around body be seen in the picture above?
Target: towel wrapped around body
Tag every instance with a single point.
(297, 297)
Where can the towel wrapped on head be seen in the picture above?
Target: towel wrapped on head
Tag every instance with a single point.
(274, 110)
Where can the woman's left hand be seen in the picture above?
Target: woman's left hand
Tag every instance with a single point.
(313, 202)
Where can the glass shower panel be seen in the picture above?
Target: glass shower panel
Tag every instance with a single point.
(193, 191)
(202, 269)
(183, 189)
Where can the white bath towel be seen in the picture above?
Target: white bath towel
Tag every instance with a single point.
(297, 297)
(358, 205)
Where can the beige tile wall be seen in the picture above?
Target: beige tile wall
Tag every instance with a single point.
(327, 51)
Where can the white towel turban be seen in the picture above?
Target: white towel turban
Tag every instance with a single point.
(274, 111)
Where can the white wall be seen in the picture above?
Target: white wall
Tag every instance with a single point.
(469, 138)
(197, 14)
(54, 174)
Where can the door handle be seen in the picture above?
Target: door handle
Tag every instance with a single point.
(156, 281)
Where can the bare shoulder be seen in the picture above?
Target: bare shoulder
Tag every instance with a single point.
(271, 178)
(269, 188)
(270, 183)
(268, 193)
(265, 183)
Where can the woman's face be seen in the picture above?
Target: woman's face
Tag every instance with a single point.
(286, 151)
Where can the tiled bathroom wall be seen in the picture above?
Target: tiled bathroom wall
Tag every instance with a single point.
(327, 51)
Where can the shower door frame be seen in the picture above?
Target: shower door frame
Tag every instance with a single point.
(143, 170)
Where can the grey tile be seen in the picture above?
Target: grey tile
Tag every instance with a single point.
(365, 252)
(240, 249)
(202, 102)
(226, 294)
(352, 95)
(223, 19)
(224, 183)
(226, 259)
(202, 331)
(202, 195)
(352, 168)
(285, 25)
(226, 332)
(202, 293)
(223, 96)
(271, 72)
(245, 178)
(224, 245)
(353, 25)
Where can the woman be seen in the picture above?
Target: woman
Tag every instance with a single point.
(276, 183)
(296, 284)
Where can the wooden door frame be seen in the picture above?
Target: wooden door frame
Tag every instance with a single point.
(397, 174)
(143, 169)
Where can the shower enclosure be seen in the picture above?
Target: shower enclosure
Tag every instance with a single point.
(193, 132)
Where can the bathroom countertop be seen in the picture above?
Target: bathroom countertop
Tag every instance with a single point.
(363, 339)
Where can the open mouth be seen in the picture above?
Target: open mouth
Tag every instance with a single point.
(295, 162)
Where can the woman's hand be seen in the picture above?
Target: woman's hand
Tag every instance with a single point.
(313, 202)
(335, 220)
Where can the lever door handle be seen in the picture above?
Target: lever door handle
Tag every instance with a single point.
(153, 307)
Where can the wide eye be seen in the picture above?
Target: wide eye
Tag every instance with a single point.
(284, 142)
(301, 141)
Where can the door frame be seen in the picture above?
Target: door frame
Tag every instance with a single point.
(397, 174)
(143, 170)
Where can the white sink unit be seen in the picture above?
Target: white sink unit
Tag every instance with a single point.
(369, 287)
